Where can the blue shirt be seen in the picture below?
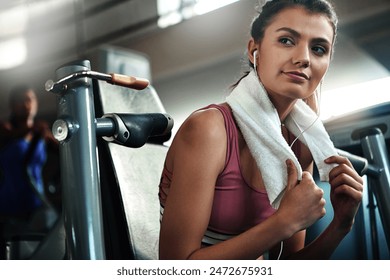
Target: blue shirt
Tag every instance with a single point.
(16, 195)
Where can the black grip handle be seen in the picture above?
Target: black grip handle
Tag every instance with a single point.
(359, 163)
(134, 130)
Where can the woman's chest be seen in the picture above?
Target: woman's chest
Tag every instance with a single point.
(251, 173)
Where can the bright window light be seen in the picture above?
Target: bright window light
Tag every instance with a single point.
(174, 11)
(169, 19)
(206, 6)
(13, 53)
(167, 6)
(13, 21)
(351, 98)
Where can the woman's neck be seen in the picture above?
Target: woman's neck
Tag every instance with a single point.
(282, 105)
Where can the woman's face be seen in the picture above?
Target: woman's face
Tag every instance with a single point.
(294, 54)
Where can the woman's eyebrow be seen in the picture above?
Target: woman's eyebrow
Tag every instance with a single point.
(289, 30)
(298, 35)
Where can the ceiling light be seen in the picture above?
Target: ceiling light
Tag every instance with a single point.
(13, 52)
(172, 12)
(13, 21)
(206, 6)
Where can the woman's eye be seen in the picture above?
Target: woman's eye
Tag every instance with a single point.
(286, 41)
(319, 50)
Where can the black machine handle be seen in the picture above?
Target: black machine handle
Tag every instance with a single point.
(134, 130)
(360, 164)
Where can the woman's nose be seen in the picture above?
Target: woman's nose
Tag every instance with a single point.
(302, 57)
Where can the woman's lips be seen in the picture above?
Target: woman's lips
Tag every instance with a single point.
(298, 76)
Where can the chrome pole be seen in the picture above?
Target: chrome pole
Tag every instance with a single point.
(374, 149)
(76, 130)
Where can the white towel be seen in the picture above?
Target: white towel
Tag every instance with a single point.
(260, 125)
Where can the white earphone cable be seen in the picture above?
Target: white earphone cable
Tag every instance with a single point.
(307, 128)
(281, 250)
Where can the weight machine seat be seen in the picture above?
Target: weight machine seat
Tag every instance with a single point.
(137, 171)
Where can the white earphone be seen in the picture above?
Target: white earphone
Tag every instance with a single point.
(255, 60)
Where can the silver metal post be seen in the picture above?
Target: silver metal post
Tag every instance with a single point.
(76, 129)
(374, 149)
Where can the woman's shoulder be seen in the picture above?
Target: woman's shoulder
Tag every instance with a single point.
(202, 133)
(207, 122)
(213, 115)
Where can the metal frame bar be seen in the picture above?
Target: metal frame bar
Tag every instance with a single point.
(76, 128)
(374, 149)
(81, 194)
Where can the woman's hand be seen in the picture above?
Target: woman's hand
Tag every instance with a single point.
(303, 202)
(346, 191)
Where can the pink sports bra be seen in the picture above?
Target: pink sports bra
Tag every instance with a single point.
(236, 206)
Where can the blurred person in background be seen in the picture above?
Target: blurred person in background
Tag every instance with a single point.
(24, 146)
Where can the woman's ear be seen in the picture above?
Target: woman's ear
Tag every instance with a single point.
(252, 48)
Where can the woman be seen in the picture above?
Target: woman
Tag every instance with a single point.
(214, 200)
